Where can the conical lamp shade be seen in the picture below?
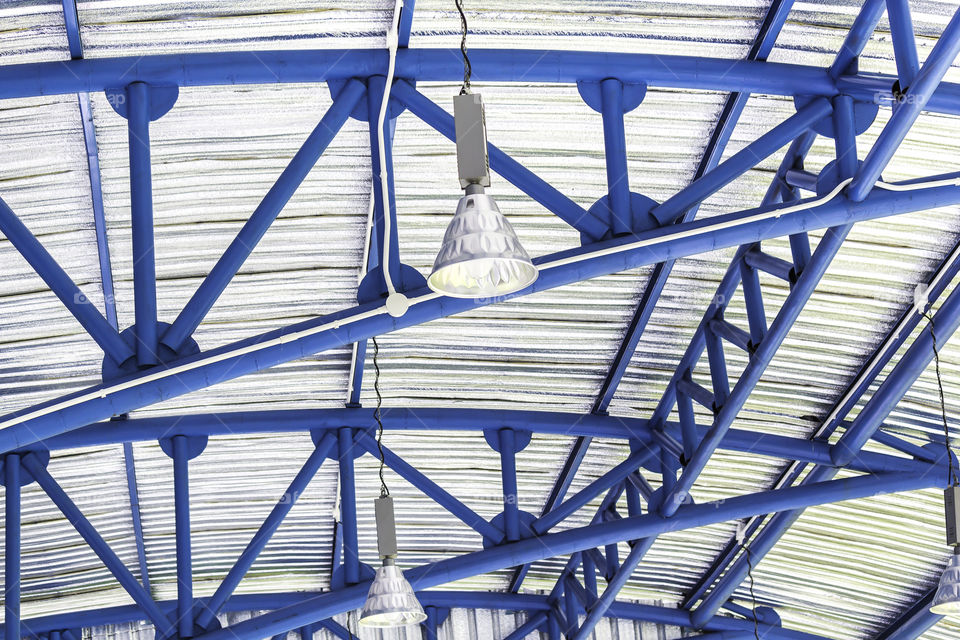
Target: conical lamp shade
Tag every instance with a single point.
(947, 600)
(480, 255)
(391, 601)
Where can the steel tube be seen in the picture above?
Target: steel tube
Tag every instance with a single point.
(263, 216)
(141, 216)
(923, 88)
(508, 480)
(97, 544)
(344, 327)
(348, 507)
(11, 546)
(181, 492)
(615, 145)
(270, 524)
(904, 43)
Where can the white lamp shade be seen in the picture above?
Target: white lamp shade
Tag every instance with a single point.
(481, 255)
(947, 600)
(391, 601)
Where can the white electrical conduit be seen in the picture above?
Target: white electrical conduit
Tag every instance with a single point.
(336, 324)
(393, 41)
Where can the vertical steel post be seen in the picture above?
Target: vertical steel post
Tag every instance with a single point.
(430, 624)
(508, 476)
(141, 215)
(376, 86)
(181, 496)
(348, 507)
(11, 566)
(904, 42)
(615, 145)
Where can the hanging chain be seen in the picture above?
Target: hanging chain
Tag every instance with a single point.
(952, 472)
(384, 491)
(467, 68)
(753, 596)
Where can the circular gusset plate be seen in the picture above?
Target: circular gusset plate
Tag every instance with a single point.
(361, 112)
(829, 178)
(39, 453)
(111, 371)
(338, 579)
(373, 289)
(334, 453)
(653, 463)
(864, 113)
(162, 99)
(526, 527)
(633, 94)
(195, 445)
(197, 629)
(521, 438)
(640, 218)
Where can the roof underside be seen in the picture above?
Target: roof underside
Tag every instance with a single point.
(843, 571)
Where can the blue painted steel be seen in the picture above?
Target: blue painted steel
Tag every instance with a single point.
(602, 605)
(270, 524)
(429, 625)
(742, 161)
(432, 490)
(71, 25)
(406, 23)
(846, 136)
(11, 547)
(97, 544)
(934, 67)
(344, 327)
(553, 517)
(914, 622)
(61, 285)
(904, 43)
(792, 306)
(376, 86)
(508, 479)
(181, 492)
(132, 491)
(857, 38)
(534, 622)
(615, 144)
(572, 540)
(141, 214)
(348, 507)
(266, 212)
(508, 168)
(337, 629)
(897, 383)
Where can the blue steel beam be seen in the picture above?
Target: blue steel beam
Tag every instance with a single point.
(361, 322)
(508, 168)
(97, 544)
(141, 214)
(489, 65)
(348, 507)
(406, 23)
(572, 540)
(713, 152)
(904, 43)
(432, 490)
(130, 470)
(181, 502)
(272, 522)
(615, 147)
(266, 212)
(11, 547)
(914, 622)
(150, 429)
(920, 93)
(890, 392)
(62, 286)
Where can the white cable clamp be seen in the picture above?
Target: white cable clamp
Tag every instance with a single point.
(921, 298)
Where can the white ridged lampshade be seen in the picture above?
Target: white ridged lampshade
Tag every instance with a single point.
(391, 601)
(481, 255)
(947, 600)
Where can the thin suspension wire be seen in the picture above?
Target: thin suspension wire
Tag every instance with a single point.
(952, 472)
(467, 67)
(384, 491)
(753, 596)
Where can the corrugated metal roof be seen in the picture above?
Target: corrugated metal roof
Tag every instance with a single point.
(843, 571)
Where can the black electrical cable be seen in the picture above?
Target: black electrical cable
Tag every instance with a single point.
(951, 471)
(467, 68)
(384, 491)
(753, 596)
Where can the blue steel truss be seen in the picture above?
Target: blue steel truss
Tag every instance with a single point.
(831, 100)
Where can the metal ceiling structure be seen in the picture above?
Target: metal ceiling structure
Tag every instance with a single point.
(626, 432)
